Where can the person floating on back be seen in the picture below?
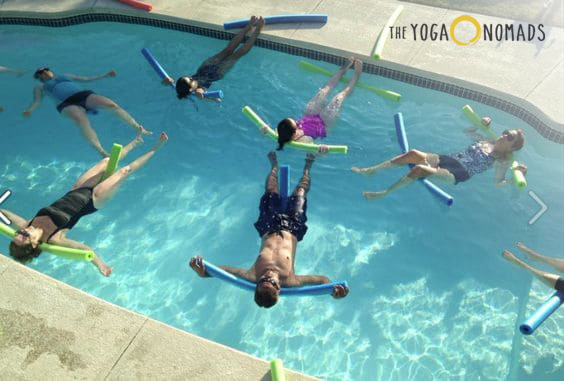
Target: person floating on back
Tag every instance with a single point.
(280, 231)
(90, 193)
(319, 116)
(74, 102)
(551, 280)
(454, 168)
(216, 67)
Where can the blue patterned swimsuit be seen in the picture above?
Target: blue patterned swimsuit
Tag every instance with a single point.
(467, 163)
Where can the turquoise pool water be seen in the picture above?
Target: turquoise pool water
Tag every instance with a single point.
(430, 297)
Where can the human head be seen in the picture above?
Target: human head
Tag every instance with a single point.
(510, 141)
(286, 130)
(25, 245)
(43, 74)
(185, 86)
(267, 291)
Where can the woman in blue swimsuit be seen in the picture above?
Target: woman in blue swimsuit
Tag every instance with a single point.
(454, 168)
(214, 68)
(74, 102)
(90, 193)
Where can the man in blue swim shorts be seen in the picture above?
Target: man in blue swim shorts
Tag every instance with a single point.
(74, 102)
(280, 231)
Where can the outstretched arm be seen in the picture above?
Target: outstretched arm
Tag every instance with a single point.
(111, 73)
(472, 133)
(37, 96)
(304, 280)
(16, 220)
(4, 69)
(60, 239)
(197, 264)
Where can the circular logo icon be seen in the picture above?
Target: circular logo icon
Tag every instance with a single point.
(473, 21)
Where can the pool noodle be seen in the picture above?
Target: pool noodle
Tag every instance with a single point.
(65, 252)
(308, 66)
(383, 36)
(404, 145)
(547, 308)
(284, 190)
(138, 4)
(114, 161)
(277, 370)
(164, 75)
(313, 148)
(322, 289)
(281, 19)
(519, 180)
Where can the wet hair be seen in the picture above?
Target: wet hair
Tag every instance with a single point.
(265, 296)
(519, 141)
(183, 87)
(286, 130)
(24, 253)
(39, 71)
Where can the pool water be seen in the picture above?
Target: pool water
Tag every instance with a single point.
(431, 298)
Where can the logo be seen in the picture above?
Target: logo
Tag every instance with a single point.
(473, 21)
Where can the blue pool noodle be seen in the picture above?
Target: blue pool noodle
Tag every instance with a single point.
(548, 307)
(282, 19)
(404, 145)
(163, 74)
(284, 188)
(322, 289)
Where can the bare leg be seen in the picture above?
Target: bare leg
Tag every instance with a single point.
(235, 41)
(102, 267)
(303, 186)
(557, 264)
(272, 178)
(547, 278)
(250, 42)
(316, 104)
(329, 114)
(78, 116)
(98, 169)
(98, 101)
(104, 191)
(411, 157)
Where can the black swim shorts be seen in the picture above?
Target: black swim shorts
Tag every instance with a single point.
(559, 284)
(453, 166)
(78, 99)
(273, 220)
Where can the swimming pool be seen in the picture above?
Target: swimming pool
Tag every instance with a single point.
(430, 297)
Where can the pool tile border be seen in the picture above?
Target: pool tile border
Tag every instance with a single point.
(413, 79)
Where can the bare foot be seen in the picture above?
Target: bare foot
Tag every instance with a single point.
(348, 63)
(507, 255)
(132, 144)
(260, 24)
(162, 140)
(144, 131)
(357, 66)
(252, 23)
(374, 195)
(364, 171)
(105, 270)
(272, 159)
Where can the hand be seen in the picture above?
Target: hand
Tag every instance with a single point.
(521, 245)
(340, 291)
(323, 149)
(167, 81)
(197, 264)
(111, 73)
(521, 167)
(199, 93)
(264, 130)
(27, 114)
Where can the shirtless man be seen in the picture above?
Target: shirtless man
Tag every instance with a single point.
(280, 232)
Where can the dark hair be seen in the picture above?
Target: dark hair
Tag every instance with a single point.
(39, 71)
(286, 130)
(183, 87)
(519, 141)
(265, 296)
(24, 253)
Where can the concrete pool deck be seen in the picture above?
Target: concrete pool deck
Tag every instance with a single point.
(528, 74)
(49, 330)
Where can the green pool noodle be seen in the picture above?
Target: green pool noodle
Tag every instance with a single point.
(65, 252)
(277, 370)
(313, 148)
(383, 36)
(308, 66)
(519, 180)
(114, 161)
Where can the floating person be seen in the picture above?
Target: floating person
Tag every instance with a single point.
(216, 67)
(319, 116)
(90, 193)
(454, 168)
(280, 231)
(4, 69)
(551, 280)
(75, 102)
